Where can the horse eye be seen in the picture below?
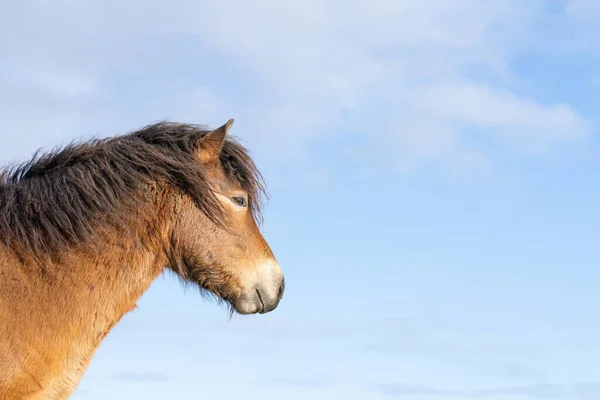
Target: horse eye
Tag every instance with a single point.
(239, 201)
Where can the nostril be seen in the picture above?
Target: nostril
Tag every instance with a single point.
(281, 290)
(262, 303)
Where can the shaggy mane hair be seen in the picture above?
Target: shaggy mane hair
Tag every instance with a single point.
(55, 199)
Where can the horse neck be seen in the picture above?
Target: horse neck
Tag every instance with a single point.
(59, 312)
(95, 284)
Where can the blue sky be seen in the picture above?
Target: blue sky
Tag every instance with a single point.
(433, 169)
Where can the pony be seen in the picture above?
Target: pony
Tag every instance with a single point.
(85, 229)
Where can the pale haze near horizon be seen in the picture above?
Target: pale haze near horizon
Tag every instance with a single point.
(433, 170)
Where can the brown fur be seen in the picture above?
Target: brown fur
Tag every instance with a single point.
(86, 229)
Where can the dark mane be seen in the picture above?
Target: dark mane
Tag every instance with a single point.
(55, 199)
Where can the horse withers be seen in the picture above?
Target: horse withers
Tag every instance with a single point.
(85, 230)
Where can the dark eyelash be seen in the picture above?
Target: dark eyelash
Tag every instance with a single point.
(239, 201)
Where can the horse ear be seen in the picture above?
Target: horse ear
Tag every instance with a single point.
(210, 145)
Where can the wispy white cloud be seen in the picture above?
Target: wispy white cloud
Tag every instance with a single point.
(401, 72)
